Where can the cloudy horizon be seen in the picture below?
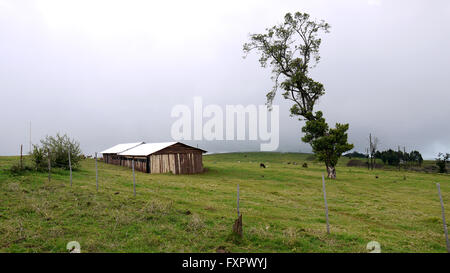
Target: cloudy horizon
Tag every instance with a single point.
(108, 72)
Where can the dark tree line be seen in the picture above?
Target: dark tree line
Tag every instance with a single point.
(395, 158)
(391, 157)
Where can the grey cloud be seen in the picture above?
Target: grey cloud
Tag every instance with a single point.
(112, 74)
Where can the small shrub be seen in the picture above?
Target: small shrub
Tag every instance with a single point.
(39, 158)
(58, 147)
(16, 169)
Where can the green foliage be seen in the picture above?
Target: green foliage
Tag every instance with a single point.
(394, 158)
(390, 157)
(58, 147)
(17, 169)
(292, 49)
(39, 158)
(328, 143)
(415, 156)
(441, 162)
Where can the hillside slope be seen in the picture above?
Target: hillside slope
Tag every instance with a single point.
(282, 207)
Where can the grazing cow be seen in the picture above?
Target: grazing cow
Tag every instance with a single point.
(262, 165)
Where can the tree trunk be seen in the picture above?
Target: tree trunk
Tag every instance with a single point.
(331, 171)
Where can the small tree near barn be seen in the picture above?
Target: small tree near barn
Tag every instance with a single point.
(58, 147)
(292, 49)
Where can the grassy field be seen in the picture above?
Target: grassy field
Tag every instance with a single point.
(282, 207)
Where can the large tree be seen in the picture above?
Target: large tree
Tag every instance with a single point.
(291, 49)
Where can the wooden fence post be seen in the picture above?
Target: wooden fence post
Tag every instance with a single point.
(49, 164)
(21, 158)
(443, 217)
(237, 227)
(238, 201)
(326, 204)
(96, 171)
(134, 178)
(70, 169)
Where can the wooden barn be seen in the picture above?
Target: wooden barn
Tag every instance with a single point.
(174, 157)
(110, 155)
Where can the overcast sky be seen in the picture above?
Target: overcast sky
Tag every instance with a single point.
(107, 72)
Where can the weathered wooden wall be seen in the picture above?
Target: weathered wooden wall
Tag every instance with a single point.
(178, 159)
(140, 163)
(106, 158)
(115, 159)
(176, 163)
(111, 159)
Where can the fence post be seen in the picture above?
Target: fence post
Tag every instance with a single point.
(326, 204)
(21, 158)
(237, 226)
(443, 217)
(96, 171)
(134, 178)
(238, 201)
(49, 164)
(70, 169)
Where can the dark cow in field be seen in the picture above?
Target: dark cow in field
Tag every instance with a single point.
(262, 165)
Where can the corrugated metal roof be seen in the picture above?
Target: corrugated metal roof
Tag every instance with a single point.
(147, 149)
(121, 147)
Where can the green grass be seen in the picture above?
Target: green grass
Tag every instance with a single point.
(282, 207)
